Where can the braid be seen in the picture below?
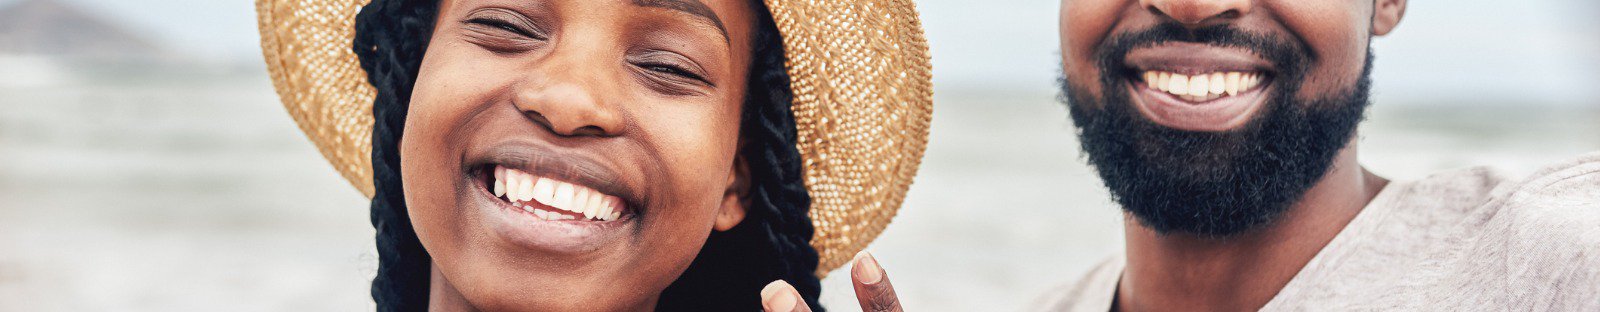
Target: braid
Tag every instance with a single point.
(390, 39)
(773, 241)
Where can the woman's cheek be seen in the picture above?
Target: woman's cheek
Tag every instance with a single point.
(699, 145)
(444, 93)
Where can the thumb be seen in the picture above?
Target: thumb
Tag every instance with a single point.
(872, 285)
(779, 296)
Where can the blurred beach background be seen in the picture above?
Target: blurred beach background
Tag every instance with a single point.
(147, 165)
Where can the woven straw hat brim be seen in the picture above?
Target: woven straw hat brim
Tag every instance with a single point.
(859, 70)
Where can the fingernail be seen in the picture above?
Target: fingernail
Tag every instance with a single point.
(778, 296)
(866, 268)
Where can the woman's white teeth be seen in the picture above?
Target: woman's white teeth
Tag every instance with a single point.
(1202, 87)
(499, 181)
(521, 188)
(547, 215)
(542, 192)
(525, 184)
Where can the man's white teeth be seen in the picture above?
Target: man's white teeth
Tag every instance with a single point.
(1218, 84)
(1202, 87)
(521, 188)
(1232, 83)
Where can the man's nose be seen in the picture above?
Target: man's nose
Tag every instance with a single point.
(1199, 13)
(569, 105)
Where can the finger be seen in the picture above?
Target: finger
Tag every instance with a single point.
(779, 296)
(872, 285)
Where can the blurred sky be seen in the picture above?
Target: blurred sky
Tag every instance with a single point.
(1526, 52)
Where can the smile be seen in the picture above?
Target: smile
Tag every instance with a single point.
(1203, 87)
(543, 199)
(1197, 87)
(552, 200)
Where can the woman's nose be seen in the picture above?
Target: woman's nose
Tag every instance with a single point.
(570, 107)
(1199, 13)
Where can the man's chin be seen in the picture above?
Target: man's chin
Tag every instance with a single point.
(1215, 218)
(1213, 184)
(1195, 159)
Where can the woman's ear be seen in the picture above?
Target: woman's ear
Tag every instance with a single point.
(1386, 15)
(734, 199)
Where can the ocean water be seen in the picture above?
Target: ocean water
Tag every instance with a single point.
(190, 189)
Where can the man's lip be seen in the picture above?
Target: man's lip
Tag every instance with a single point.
(1195, 58)
(1222, 114)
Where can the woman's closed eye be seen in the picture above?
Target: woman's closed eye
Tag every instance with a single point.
(505, 26)
(671, 72)
(675, 70)
(502, 31)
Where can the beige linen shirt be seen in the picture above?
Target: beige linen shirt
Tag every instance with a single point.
(1462, 240)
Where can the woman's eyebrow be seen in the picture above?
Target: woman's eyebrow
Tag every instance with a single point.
(693, 7)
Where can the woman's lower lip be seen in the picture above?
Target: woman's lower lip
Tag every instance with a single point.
(1217, 115)
(524, 229)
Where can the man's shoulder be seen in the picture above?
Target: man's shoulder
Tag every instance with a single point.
(1467, 239)
(1458, 191)
(1571, 186)
(1535, 244)
(1094, 291)
(1563, 196)
(1556, 209)
(1559, 205)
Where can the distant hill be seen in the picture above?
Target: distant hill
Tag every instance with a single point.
(56, 29)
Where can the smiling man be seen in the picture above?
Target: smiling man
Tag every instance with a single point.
(1224, 129)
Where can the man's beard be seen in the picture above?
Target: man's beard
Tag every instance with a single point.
(1213, 184)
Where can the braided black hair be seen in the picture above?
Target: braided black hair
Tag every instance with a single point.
(773, 241)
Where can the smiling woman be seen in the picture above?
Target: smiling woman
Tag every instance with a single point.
(615, 155)
(546, 101)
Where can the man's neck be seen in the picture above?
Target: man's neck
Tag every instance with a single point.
(1243, 272)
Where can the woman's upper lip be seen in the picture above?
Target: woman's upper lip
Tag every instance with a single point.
(1195, 58)
(547, 162)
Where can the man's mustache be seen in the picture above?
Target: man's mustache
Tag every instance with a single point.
(1286, 54)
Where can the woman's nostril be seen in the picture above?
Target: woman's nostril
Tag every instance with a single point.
(539, 119)
(566, 128)
(588, 131)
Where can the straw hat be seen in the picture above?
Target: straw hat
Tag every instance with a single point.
(859, 71)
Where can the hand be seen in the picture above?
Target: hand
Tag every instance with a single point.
(872, 290)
